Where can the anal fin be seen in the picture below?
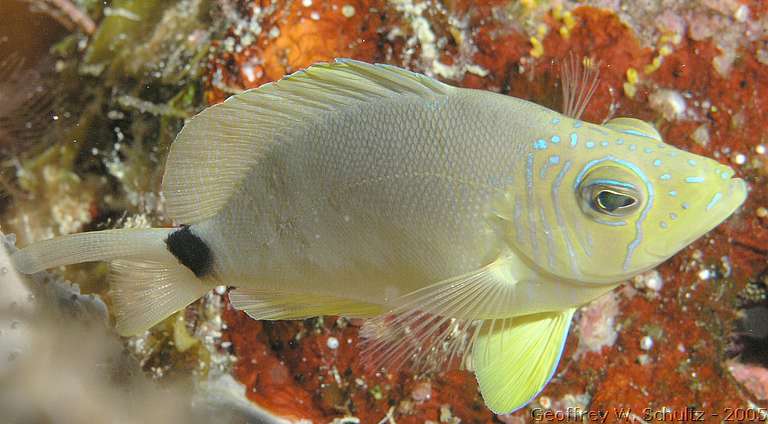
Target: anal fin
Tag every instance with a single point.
(262, 304)
(515, 358)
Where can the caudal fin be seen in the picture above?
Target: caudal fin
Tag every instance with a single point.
(147, 292)
(147, 282)
(91, 247)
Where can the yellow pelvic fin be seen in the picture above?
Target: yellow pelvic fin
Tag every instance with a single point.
(515, 358)
(270, 305)
(217, 149)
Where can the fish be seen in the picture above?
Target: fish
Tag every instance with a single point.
(464, 226)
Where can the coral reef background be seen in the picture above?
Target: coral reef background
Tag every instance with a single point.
(93, 94)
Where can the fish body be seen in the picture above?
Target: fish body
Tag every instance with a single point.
(370, 191)
(378, 201)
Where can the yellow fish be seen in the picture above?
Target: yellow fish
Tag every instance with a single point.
(477, 222)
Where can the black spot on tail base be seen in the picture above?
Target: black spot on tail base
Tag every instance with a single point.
(190, 250)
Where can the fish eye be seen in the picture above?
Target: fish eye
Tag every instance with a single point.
(610, 191)
(612, 202)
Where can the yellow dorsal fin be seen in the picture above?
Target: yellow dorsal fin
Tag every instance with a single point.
(634, 127)
(514, 358)
(216, 149)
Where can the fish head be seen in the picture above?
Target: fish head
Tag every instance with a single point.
(619, 202)
(643, 200)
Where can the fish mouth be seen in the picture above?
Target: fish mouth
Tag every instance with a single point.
(722, 204)
(735, 195)
(713, 210)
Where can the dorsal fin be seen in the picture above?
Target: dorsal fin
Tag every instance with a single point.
(579, 79)
(216, 149)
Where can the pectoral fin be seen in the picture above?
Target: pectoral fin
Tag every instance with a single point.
(515, 358)
(436, 325)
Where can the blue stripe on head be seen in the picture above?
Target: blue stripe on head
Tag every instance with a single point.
(617, 183)
(639, 134)
(716, 198)
(611, 223)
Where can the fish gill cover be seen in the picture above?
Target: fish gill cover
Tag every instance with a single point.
(125, 74)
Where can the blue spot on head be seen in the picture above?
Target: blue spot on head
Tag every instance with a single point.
(672, 216)
(694, 179)
(663, 224)
(665, 177)
(632, 147)
(555, 121)
(574, 139)
(577, 124)
(648, 150)
(554, 159)
(724, 175)
(657, 162)
(620, 141)
(555, 139)
(673, 193)
(691, 162)
(590, 144)
(604, 143)
(540, 144)
(685, 205)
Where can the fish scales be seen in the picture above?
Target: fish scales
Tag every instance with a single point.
(368, 196)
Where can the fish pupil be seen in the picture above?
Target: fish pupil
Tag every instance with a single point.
(610, 201)
(190, 250)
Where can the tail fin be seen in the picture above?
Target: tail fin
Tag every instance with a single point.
(90, 247)
(147, 282)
